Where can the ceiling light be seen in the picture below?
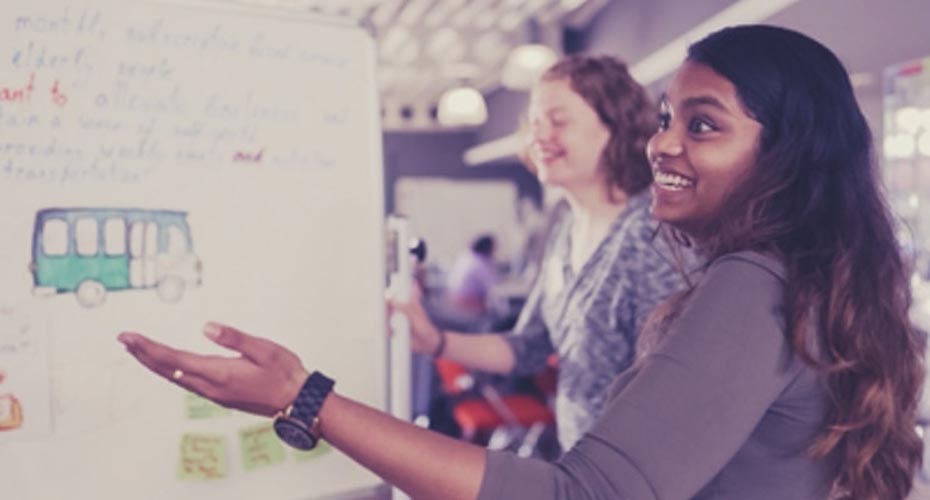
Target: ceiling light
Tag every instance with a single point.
(526, 64)
(462, 106)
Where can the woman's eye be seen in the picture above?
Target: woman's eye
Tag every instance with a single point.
(700, 126)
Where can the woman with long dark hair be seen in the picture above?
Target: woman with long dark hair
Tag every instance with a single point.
(790, 371)
(811, 202)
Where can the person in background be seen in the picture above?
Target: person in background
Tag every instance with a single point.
(604, 268)
(789, 371)
(472, 276)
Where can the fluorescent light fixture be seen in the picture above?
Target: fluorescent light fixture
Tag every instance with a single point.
(498, 149)
(666, 59)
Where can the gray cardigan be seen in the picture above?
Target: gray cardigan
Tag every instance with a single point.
(591, 317)
(720, 410)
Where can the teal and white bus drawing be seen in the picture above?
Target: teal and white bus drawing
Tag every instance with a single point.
(93, 251)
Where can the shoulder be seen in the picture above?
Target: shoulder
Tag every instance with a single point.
(746, 266)
(736, 306)
(743, 286)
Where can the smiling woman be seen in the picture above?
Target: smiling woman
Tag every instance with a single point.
(790, 371)
(604, 269)
(705, 145)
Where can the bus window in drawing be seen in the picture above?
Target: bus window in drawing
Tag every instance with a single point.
(92, 251)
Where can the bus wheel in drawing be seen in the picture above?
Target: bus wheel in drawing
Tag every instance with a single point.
(91, 293)
(171, 289)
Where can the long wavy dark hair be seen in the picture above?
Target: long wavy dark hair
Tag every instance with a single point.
(622, 105)
(813, 200)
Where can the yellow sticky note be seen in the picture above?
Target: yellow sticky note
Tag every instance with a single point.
(260, 447)
(196, 407)
(203, 457)
(321, 448)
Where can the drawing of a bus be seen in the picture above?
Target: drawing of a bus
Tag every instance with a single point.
(91, 251)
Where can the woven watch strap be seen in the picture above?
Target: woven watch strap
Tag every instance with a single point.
(311, 397)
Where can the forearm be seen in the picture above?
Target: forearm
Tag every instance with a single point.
(486, 352)
(425, 464)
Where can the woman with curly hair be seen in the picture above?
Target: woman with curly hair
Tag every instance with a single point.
(604, 269)
(790, 371)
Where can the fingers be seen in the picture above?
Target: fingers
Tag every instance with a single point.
(255, 348)
(164, 360)
(415, 296)
(187, 379)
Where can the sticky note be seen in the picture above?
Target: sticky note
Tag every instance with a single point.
(260, 447)
(203, 457)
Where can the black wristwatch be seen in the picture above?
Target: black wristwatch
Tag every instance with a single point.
(299, 424)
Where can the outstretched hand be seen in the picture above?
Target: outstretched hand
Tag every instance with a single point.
(424, 335)
(264, 379)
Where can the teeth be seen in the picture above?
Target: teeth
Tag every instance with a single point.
(672, 181)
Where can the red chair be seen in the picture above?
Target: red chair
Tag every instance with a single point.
(483, 412)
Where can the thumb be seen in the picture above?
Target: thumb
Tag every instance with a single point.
(251, 347)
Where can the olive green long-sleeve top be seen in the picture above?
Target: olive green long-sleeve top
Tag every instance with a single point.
(721, 409)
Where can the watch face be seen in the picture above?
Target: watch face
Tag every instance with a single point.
(294, 434)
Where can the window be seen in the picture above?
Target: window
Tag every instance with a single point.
(85, 236)
(143, 239)
(151, 239)
(177, 242)
(114, 236)
(55, 237)
(135, 239)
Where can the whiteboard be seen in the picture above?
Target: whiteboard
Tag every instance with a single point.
(163, 165)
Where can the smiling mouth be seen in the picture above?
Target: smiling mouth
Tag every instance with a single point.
(671, 181)
(549, 156)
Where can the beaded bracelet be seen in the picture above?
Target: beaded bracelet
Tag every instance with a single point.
(442, 344)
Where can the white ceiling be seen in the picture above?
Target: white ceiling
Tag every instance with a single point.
(428, 46)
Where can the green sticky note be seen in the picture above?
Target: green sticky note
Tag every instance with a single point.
(321, 448)
(203, 457)
(196, 407)
(260, 447)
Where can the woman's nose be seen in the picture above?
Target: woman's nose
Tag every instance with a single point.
(540, 132)
(663, 143)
